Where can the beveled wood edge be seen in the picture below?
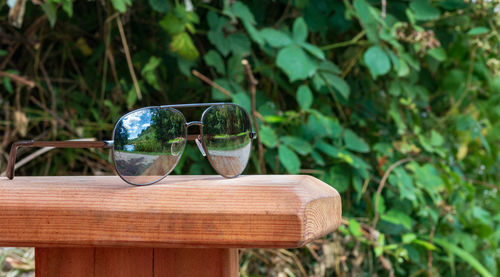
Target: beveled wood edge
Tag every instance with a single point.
(320, 206)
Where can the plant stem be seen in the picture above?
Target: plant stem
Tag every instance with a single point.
(354, 40)
(253, 84)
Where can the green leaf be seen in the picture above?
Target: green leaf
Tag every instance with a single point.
(377, 61)
(148, 72)
(214, 59)
(184, 46)
(121, 5)
(438, 53)
(172, 24)
(408, 238)
(299, 30)
(478, 31)
(185, 66)
(67, 6)
(275, 38)
(329, 67)
(304, 97)
(253, 33)
(289, 159)
(7, 85)
(131, 97)
(299, 145)
(328, 149)
(436, 139)
(239, 43)
(241, 10)
(424, 10)
(367, 20)
(159, 5)
(296, 63)
(317, 158)
(242, 99)
(426, 244)
(355, 228)
(398, 217)
(268, 136)
(381, 203)
(339, 178)
(50, 10)
(3, 52)
(216, 35)
(473, 262)
(338, 83)
(355, 143)
(313, 50)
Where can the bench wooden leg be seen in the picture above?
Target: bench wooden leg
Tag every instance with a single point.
(137, 262)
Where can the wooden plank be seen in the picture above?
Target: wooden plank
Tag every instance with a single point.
(136, 262)
(63, 262)
(124, 262)
(202, 262)
(180, 211)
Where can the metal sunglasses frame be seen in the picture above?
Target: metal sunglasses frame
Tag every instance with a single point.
(110, 143)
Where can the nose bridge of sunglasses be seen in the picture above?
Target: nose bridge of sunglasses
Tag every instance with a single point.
(199, 123)
(198, 138)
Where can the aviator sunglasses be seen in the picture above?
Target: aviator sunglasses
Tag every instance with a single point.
(148, 143)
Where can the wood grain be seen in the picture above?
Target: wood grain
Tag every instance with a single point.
(206, 262)
(63, 262)
(180, 211)
(136, 262)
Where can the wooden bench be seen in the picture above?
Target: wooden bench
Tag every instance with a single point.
(183, 226)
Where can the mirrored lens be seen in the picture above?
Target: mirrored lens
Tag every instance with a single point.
(226, 135)
(148, 143)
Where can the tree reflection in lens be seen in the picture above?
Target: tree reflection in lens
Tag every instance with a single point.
(148, 143)
(226, 135)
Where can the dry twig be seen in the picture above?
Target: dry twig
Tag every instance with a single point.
(382, 184)
(129, 60)
(210, 82)
(253, 87)
(18, 79)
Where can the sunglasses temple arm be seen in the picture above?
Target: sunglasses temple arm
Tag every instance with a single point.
(56, 144)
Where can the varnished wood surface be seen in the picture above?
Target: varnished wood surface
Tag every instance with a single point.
(180, 211)
(136, 262)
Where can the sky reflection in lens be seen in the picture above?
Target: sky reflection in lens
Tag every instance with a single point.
(148, 143)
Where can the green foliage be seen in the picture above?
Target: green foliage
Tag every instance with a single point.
(401, 106)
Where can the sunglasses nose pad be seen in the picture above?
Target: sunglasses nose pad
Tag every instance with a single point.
(200, 146)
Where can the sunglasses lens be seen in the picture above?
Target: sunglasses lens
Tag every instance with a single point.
(148, 143)
(226, 135)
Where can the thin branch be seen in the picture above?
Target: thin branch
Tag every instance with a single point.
(127, 56)
(52, 95)
(253, 87)
(429, 252)
(384, 8)
(18, 79)
(284, 15)
(382, 184)
(60, 120)
(210, 82)
(354, 40)
(481, 183)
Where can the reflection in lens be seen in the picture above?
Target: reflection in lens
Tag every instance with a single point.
(226, 135)
(148, 143)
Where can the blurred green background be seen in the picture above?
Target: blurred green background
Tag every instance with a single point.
(396, 104)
